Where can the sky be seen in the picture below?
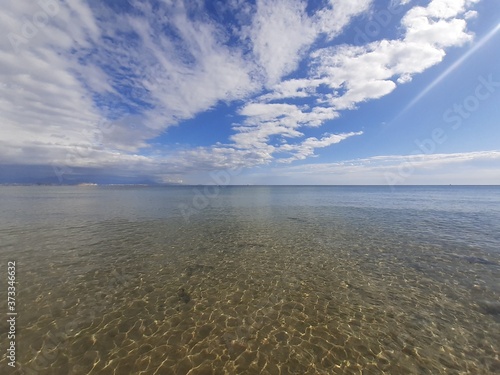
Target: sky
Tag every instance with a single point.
(386, 92)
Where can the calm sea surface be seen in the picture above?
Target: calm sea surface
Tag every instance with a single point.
(252, 280)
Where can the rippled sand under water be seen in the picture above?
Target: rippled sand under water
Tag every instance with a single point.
(251, 297)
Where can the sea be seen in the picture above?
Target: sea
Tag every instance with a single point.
(250, 280)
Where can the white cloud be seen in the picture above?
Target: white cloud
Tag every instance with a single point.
(272, 119)
(467, 168)
(66, 76)
(281, 32)
(395, 3)
(354, 74)
(293, 88)
(44, 107)
(470, 14)
(49, 79)
(306, 148)
(366, 72)
(359, 73)
(338, 13)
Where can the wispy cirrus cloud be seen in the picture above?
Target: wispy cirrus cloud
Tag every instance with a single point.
(467, 168)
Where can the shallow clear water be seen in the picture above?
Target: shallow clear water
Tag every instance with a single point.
(254, 280)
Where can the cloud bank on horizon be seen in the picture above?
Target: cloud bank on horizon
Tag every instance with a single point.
(92, 89)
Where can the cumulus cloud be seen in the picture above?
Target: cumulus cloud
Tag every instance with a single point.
(359, 73)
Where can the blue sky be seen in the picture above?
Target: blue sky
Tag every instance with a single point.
(265, 92)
